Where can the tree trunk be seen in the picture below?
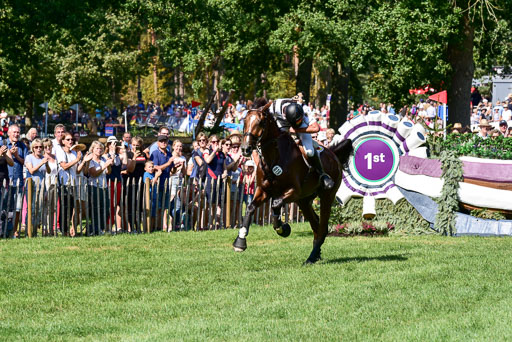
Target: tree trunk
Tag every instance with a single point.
(263, 77)
(176, 86)
(155, 67)
(215, 81)
(460, 56)
(182, 87)
(30, 106)
(303, 79)
(340, 77)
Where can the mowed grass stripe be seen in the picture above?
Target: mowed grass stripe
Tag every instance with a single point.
(192, 286)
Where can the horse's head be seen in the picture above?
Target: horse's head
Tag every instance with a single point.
(254, 128)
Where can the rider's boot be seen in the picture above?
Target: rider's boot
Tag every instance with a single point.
(325, 180)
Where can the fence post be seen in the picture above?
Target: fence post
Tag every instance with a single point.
(228, 202)
(29, 207)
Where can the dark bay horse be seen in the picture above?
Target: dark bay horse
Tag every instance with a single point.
(284, 176)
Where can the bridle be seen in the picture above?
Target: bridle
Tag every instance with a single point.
(253, 137)
(256, 140)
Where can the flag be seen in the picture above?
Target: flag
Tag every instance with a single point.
(44, 105)
(195, 104)
(74, 107)
(440, 97)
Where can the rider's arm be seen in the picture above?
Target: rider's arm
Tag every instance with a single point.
(312, 128)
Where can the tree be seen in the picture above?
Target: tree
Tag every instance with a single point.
(410, 44)
(66, 51)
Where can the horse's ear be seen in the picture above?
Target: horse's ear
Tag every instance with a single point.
(267, 106)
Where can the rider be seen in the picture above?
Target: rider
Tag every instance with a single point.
(289, 114)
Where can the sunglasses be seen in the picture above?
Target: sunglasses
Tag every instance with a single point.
(38, 146)
(164, 141)
(68, 139)
(227, 144)
(214, 141)
(202, 140)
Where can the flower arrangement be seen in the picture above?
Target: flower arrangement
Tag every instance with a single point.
(365, 228)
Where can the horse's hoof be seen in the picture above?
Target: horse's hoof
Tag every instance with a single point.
(284, 230)
(240, 244)
(312, 261)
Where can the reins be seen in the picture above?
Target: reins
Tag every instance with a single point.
(260, 146)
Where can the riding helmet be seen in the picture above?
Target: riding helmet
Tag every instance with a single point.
(294, 114)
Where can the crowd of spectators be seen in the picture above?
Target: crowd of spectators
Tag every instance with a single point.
(107, 169)
(76, 181)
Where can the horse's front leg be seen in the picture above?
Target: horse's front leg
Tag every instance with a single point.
(240, 243)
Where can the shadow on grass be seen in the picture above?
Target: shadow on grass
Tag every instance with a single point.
(361, 259)
(302, 233)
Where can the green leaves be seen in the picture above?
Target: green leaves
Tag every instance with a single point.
(448, 203)
(472, 145)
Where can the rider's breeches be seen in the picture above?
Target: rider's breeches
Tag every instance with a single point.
(307, 141)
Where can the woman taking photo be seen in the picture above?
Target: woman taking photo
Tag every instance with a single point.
(50, 182)
(216, 160)
(37, 167)
(117, 153)
(131, 177)
(99, 167)
(199, 169)
(69, 166)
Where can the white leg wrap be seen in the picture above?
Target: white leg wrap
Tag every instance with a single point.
(242, 233)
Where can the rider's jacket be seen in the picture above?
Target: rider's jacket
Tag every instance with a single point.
(278, 108)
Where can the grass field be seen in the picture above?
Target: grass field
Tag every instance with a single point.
(192, 286)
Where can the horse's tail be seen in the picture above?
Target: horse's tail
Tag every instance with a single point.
(343, 150)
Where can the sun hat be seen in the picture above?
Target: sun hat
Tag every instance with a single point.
(235, 137)
(78, 147)
(484, 123)
(250, 163)
(457, 125)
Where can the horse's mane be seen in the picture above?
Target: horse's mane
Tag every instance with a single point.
(259, 102)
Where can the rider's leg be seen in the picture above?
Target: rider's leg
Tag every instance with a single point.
(314, 159)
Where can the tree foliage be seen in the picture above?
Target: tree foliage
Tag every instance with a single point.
(91, 51)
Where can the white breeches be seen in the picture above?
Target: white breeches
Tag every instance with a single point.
(307, 141)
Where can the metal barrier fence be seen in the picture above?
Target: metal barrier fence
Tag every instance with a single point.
(35, 208)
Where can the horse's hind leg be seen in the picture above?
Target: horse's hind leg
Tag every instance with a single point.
(321, 232)
(240, 243)
(316, 224)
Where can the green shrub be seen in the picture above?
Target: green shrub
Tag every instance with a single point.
(472, 145)
(485, 213)
(402, 216)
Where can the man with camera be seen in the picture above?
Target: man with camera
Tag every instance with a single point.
(18, 151)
